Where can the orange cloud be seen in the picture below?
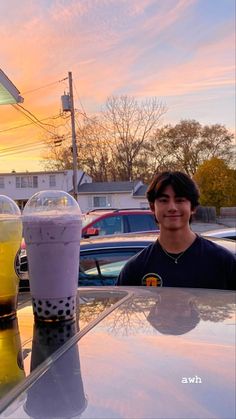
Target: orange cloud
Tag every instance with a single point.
(111, 48)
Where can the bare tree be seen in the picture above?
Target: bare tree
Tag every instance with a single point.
(112, 146)
(130, 124)
(93, 154)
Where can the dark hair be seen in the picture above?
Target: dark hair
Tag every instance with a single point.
(182, 184)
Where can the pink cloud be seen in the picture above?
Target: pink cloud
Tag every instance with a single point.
(111, 47)
(204, 71)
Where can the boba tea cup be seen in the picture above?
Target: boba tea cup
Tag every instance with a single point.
(10, 240)
(52, 231)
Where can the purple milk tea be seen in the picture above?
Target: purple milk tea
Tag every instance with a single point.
(52, 231)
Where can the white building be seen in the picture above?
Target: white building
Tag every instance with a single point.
(20, 186)
(118, 195)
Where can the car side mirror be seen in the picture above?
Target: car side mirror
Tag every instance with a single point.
(91, 231)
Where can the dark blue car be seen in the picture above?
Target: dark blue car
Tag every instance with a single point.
(102, 257)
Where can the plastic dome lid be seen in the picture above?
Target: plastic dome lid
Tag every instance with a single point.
(8, 208)
(52, 204)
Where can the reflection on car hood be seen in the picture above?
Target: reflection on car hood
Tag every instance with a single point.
(229, 232)
(155, 353)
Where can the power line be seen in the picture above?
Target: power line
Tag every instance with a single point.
(79, 98)
(19, 146)
(31, 146)
(31, 123)
(94, 121)
(18, 108)
(43, 87)
(35, 117)
(23, 151)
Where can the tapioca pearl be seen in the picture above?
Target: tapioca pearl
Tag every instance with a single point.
(61, 301)
(67, 312)
(39, 309)
(54, 307)
(67, 304)
(48, 304)
(40, 302)
(47, 312)
(60, 312)
(68, 298)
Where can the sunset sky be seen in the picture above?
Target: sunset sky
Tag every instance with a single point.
(181, 51)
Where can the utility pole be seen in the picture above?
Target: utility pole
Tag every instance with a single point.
(74, 146)
(68, 106)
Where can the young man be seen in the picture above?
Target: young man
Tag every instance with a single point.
(179, 257)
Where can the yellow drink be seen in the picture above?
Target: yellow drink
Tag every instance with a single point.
(10, 239)
(11, 365)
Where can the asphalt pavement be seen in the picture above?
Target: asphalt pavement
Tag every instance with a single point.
(200, 227)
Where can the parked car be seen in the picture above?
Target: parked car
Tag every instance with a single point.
(101, 258)
(115, 221)
(140, 352)
(223, 233)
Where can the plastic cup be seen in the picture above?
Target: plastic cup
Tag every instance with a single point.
(10, 239)
(52, 230)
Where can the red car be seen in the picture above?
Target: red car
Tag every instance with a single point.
(115, 221)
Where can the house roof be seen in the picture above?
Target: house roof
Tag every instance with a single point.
(9, 94)
(113, 187)
(141, 191)
(29, 173)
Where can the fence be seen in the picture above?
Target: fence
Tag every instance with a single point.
(205, 214)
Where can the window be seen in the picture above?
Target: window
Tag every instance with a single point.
(99, 201)
(26, 181)
(141, 222)
(102, 201)
(52, 181)
(103, 267)
(1, 182)
(35, 181)
(17, 182)
(110, 225)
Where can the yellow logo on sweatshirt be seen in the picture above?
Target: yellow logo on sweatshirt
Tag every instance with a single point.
(152, 280)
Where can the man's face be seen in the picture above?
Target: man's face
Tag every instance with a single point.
(172, 212)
